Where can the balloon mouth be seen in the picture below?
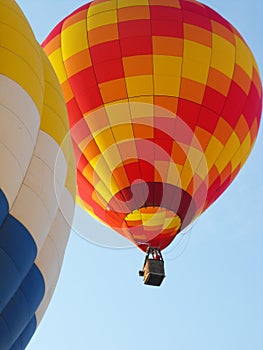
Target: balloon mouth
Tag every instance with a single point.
(148, 223)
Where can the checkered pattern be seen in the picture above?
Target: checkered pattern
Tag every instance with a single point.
(131, 72)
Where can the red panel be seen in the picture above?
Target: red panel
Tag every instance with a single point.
(147, 171)
(132, 171)
(136, 46)
(197, 20)
(234, 104)
(194, 7)
(167, 28)
(83, 79)
(106, 51)
(189, 112)
(85, 188)
(134, 28)
(159, 133)
(165, 145)
(252, 106)
(207, 119)
(81, 163)
(165, 13)
(74, 112)
(213, 100)
(89, 99)
(109, 70)
(211, 192)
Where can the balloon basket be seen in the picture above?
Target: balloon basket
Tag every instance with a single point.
(153, 269)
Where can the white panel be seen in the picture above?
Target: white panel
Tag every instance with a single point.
(19, 120)
(48, 150)
(32, 212)
(37, 204)
(44, 304)
(17, 100)
(11, 174)
(67, 206)
(48, 262)
(50, 258)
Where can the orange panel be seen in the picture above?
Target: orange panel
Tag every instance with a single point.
(223, 131)
(102, 34)
(133, 13)
(192, 90)
(138, 65)
(113, 90)
(167, 46)
(197, 34)
(218, 81)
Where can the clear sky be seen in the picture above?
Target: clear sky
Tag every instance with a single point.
(212, 298)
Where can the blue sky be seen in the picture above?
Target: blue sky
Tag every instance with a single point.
(212, 298)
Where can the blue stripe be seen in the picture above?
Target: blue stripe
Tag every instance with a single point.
(21, 283)
(25, 337)
(17, 255)
(3, 207)
(21, 309)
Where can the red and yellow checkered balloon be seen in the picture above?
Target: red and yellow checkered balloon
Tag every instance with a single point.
(164, 100)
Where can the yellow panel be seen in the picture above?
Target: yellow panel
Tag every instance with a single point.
(142, 107)
(244, 57)
(103, 191)
(174, 222)
(197, 52)
(134, 216)
(126, 3)
(97, 7)
(186, 177)
(104, 171)
(195, 157)
(139, 85)
(114, 186)
(202, 168)
(94, 161)
(118, 113)
(102, 19)
(55, 59)
(69, 36)
(20, 55)
(236, 160)
(167, 86)
(246, 146)
(104, 140)
(195, 70)
(212, 151)
(112, 157)
(123, 132)
(223, 55)
(167, 65)
(20, 71)
(228, 152)
(173, 175)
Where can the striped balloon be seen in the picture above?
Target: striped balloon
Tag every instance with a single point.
(37, 179)
(164, 101)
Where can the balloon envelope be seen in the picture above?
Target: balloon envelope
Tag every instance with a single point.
(164, 101)
(37, 179)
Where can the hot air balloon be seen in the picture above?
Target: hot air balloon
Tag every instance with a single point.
(164, 101)
(37, 179)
